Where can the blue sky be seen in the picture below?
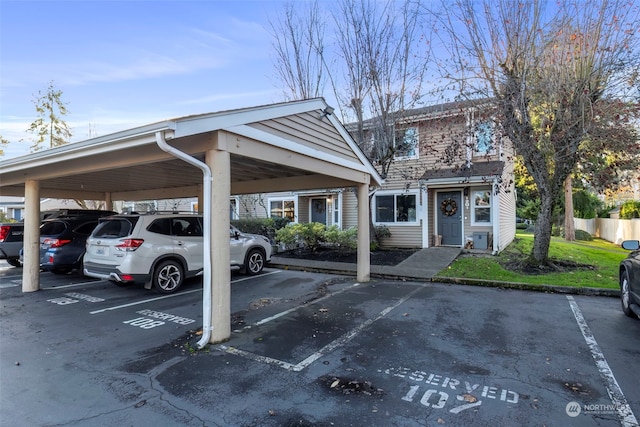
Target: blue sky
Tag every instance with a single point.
(122, 64)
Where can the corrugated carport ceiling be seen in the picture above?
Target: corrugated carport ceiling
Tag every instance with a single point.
(167, 174)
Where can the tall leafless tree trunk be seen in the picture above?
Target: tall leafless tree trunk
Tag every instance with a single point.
(569, 226)
(376, 67)
(547, 70)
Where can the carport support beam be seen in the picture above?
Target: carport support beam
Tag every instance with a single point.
(31, 241)
(220, 163)
(363, 273)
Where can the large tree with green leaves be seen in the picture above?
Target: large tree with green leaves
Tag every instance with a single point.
(552, 69)
(49, 129)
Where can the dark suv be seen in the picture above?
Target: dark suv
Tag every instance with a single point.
(63, 239)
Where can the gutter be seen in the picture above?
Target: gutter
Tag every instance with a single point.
(206, 216)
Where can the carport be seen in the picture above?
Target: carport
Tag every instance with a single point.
(281, 147)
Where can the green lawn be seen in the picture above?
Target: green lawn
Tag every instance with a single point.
(604, 257)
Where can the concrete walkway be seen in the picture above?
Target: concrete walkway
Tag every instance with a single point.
(422, 265)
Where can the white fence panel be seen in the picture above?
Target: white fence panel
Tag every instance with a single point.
(613, 230)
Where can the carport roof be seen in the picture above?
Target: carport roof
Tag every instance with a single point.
(279, 147)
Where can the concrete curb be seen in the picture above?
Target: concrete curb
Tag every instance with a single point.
(599, 292)
(387, 272)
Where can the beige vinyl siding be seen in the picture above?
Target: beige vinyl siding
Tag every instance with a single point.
(251, 206)
(303, 210)
(349, 209)
(403, 237)
(507, 213)
(294, 128)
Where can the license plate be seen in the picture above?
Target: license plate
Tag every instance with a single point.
(101, 251)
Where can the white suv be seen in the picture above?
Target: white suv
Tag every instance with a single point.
(162, 250)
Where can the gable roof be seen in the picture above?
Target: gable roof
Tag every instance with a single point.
(429, 112)
(278, 147)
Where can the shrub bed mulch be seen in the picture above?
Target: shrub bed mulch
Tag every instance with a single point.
(392, 256)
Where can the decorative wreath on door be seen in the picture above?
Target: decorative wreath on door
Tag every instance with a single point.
(448, 207)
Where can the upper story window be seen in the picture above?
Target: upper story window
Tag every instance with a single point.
(395, 208)
(406, 143)
(481, 209)
(484, 137)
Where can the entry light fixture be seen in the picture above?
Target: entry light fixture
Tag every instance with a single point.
(327, 112)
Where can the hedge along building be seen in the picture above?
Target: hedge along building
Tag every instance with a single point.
(450, 183)
(292, 146)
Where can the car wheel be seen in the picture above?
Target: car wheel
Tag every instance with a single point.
(14, 262)
(168, 276)
(254, 262)
(625, 294)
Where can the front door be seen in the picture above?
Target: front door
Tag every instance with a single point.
(319, 210)
(449, 213)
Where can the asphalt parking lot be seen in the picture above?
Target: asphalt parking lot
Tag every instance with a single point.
(312, 349)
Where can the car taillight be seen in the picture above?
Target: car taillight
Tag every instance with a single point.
(4, 232)
(129, 245)
(55, 243)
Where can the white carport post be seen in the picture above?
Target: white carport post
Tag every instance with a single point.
(363, 273)
(108, 202)
(31, 241)
(219, 162)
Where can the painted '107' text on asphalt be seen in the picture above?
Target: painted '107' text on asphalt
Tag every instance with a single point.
(468, 395)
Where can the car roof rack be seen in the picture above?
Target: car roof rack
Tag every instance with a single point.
(167, 212)
(76, 213)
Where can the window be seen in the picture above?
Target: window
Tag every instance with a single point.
(482, 207)
(336, 210)
(484, 138)
(234, 213)
(285, 208)
(187, 226)
(395, 208)
(406, 143)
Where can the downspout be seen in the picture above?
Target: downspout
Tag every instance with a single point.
(206, 232)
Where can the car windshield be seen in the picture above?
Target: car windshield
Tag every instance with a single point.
(114, 228)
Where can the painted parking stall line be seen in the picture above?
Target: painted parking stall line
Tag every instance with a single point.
(177, 294)
(340, 341)
(619, 402)
(144, 301)
(74, 297)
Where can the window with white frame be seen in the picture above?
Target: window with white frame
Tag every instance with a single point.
(336, 210)
(484, 136)
(406, 143)
(395, 208)
(234, 213)
(282, 208)
(481, 207)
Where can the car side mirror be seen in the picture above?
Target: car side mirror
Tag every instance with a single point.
(631, 245)
(236, 235)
